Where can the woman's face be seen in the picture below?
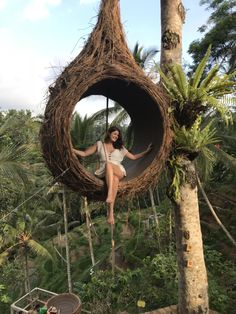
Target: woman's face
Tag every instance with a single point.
(114, 136)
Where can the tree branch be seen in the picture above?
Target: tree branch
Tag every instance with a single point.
(214, 213)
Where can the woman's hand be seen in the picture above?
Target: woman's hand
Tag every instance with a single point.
(74, 152)
(84, 153)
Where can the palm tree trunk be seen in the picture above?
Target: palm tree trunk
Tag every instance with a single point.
(193, 294)
(66, 241)
(172, 18)
(193, 285)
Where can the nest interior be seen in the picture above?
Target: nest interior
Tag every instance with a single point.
(145, 116)
(106, 67)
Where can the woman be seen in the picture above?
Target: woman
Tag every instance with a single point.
(111, 153)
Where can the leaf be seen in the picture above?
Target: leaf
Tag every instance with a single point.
(210, 76)
(38, 249)
(195, 80)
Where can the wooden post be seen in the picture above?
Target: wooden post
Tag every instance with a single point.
(66, 240)
(112, 250)
(89, 230)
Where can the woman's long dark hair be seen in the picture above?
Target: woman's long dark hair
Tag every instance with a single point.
(118, 144)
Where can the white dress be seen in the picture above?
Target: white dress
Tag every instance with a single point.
(115, 157)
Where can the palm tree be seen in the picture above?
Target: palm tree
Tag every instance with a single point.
(144, 57)
(172, 19)
(191, 101)
(82, 130)
(17, 240)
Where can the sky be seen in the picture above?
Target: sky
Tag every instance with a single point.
(40, 37)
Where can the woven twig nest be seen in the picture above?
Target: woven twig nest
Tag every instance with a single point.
(106, 67)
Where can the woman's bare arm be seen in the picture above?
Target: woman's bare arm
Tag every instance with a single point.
(87, 152)
(139, 155)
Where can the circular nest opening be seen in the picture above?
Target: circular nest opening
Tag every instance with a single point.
(145, 115)
(146, 107)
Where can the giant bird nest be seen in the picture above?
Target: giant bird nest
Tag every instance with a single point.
(106, 67)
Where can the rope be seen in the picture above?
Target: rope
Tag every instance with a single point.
(33, 195)
(107, 112)
(112, 250)
(112, 226)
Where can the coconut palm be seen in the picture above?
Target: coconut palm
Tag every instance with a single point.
(81, 130)
(17, 241)
(191, 101)
(172, 19)
(144, 57)
(13, 154)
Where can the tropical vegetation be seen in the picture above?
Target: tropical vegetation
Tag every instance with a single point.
(52, 238)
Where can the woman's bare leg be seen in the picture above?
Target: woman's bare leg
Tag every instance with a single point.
(111, 171)
(109, 181)
(111, 219)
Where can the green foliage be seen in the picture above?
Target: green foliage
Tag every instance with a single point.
(196, 138)
(143, 57)
(221, 271)
(12, 280)
(196, 96)
(3, 297)
(146, 264)
(191, 143)
(194, 102)
(178, 177)
(220, 33)
(149, 283)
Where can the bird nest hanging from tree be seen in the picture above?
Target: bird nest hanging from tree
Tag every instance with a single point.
(106, 67)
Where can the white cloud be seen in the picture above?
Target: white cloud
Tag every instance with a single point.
(2, 4)
(22, 76)
(87, 1)
(39, 9)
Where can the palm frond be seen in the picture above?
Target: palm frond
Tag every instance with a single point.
(195, 138)
(219, 106)
(197, 76)
(121, 117)
(226, 158)
(179, 78)
(205, 163)
(3, 257)
(38, 249)
(11, 163)
(10, 123)
(221, 86)
(170, 87)
(210, 76)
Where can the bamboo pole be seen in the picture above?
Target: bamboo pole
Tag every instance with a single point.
(67, 242)
(112, 250)
(89, 230)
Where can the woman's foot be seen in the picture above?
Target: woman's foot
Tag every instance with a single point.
(111, 220)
